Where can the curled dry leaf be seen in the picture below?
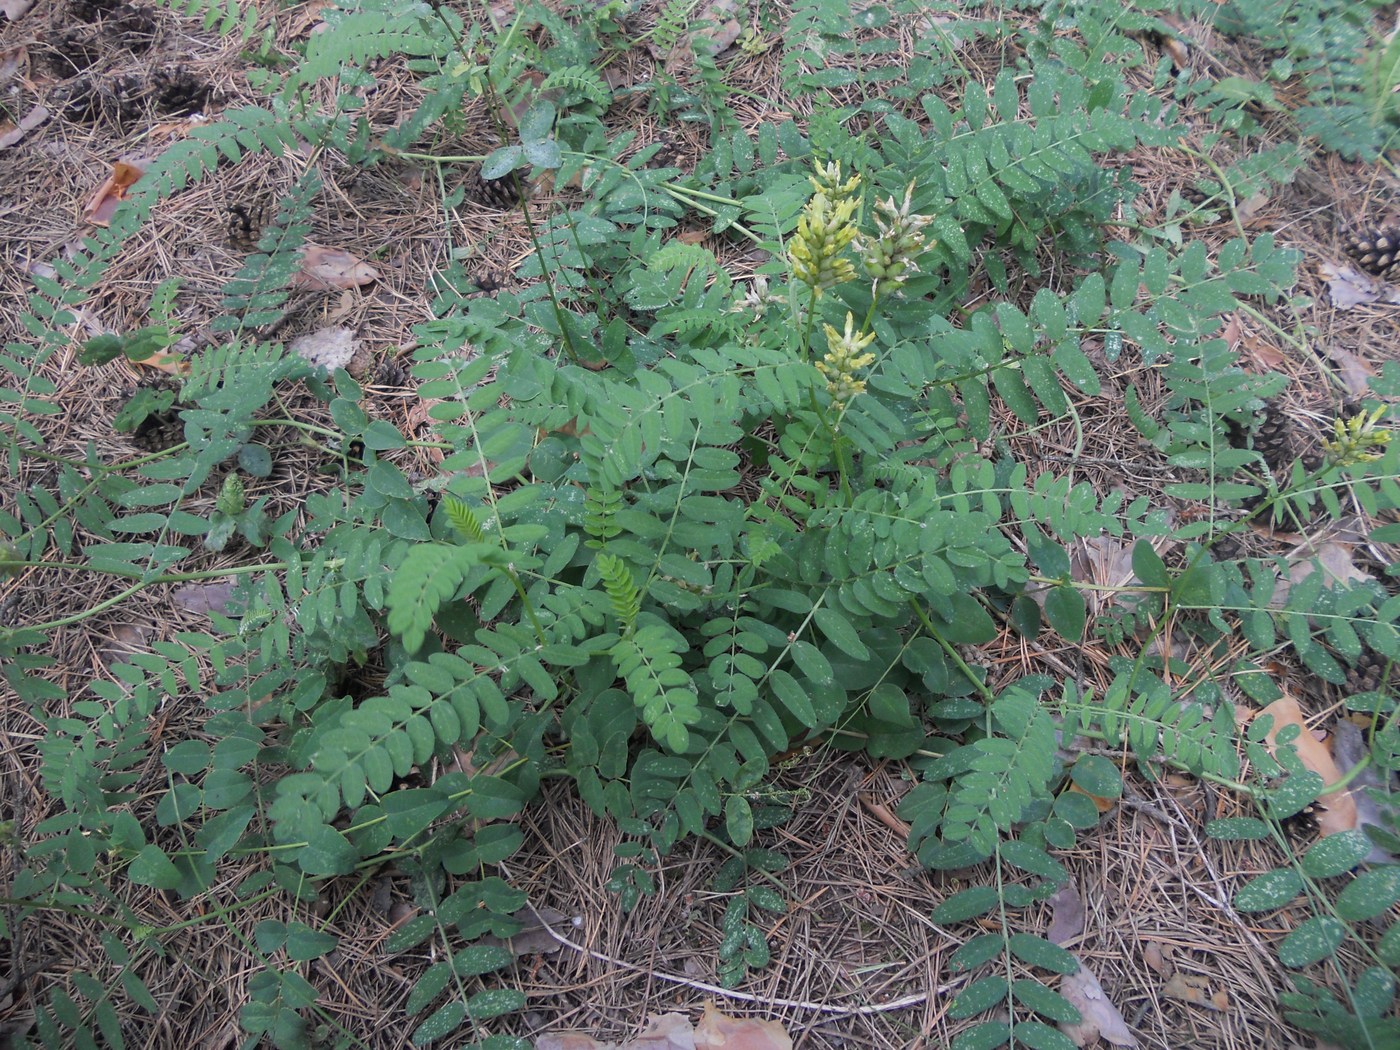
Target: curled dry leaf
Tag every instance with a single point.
(1195, 989)
(14, 9)
(324, 269)
(1263, 353)
(125, 174)
(534, 937)
(1333, 557)
(27, 123)
(719, 1031)
(667, 1032)
(1354, 373)
(1152, 955)
(1349, 287)
(1336, 811)
(1099, 1018)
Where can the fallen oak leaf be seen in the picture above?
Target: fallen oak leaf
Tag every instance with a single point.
(324, 269)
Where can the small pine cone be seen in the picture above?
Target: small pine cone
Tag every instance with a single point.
(159, 431)
(1273, 438)
(1229, 547)
(1195, 195)
(392, 373)
(501, 194)
(1375, 248)
(1371, 672)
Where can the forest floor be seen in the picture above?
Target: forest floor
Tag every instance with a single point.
(857, 962)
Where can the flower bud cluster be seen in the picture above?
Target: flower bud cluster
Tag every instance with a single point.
(825, 230)
(889, 258)
(845, 356)
(1354, 439)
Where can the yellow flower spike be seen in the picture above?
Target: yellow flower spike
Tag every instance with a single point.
(845, 356)
(889, 258)
(824, 231)
(1354, 438)
(827, 182)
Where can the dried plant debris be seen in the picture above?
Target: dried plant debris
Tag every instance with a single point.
(1375, 248)
(328, 348)
(327, 269)
(1348, 287)
(1099, 1019)
(1336, 810)
(1350, 749)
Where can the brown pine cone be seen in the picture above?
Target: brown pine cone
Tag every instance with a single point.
(1375, 248)
(501, 194)
(1273, 438)
(152, 415)
(1371, 673)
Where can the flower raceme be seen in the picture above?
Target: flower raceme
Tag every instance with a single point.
(889, 258)
(1357, 439)
(827, 227)
(845, 356)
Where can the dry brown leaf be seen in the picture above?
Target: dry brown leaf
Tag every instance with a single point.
(1336, 811)
(27, 123)
(204, 597)
(170, 361)
(14, 9)
(667, 1032)
(1152, 955)
(1066, 915)
(324, 269)
(719, 1031)
(534, 938)
(1355, 373)
(1099, 1018)
(1333, 556)
(1264, 354)
(1252, 206)
(1195, 990)
(884, 815)
(1349, 287)
(716, 1031)
(1349, 748)
(125, 174)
